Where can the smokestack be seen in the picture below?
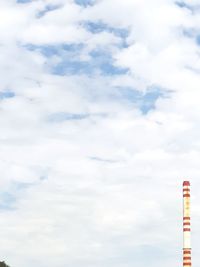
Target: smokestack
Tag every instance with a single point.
(186, 225)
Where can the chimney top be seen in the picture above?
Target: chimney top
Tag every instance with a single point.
(186, 183)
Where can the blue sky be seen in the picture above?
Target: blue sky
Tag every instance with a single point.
(99, 115)
(6, 94)
(84, 3)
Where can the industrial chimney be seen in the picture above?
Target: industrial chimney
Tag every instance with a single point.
(186, 225)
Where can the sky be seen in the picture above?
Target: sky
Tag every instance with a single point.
(99, 126)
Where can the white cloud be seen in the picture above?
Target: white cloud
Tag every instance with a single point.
(104, 189)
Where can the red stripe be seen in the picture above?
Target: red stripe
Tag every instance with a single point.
(186, 252)
(186, 195)
(186, 189)
(187, 264)
(186, 223)
(186, 229)
(186, 218)
(186, 183)
(186, 258)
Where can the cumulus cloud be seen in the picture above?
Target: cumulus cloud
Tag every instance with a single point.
(99, 104)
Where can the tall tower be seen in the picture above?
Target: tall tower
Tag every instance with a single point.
(186, 225)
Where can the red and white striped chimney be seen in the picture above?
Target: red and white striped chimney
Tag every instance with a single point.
(186, 225)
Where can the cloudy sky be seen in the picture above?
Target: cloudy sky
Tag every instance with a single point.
(99, 125)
